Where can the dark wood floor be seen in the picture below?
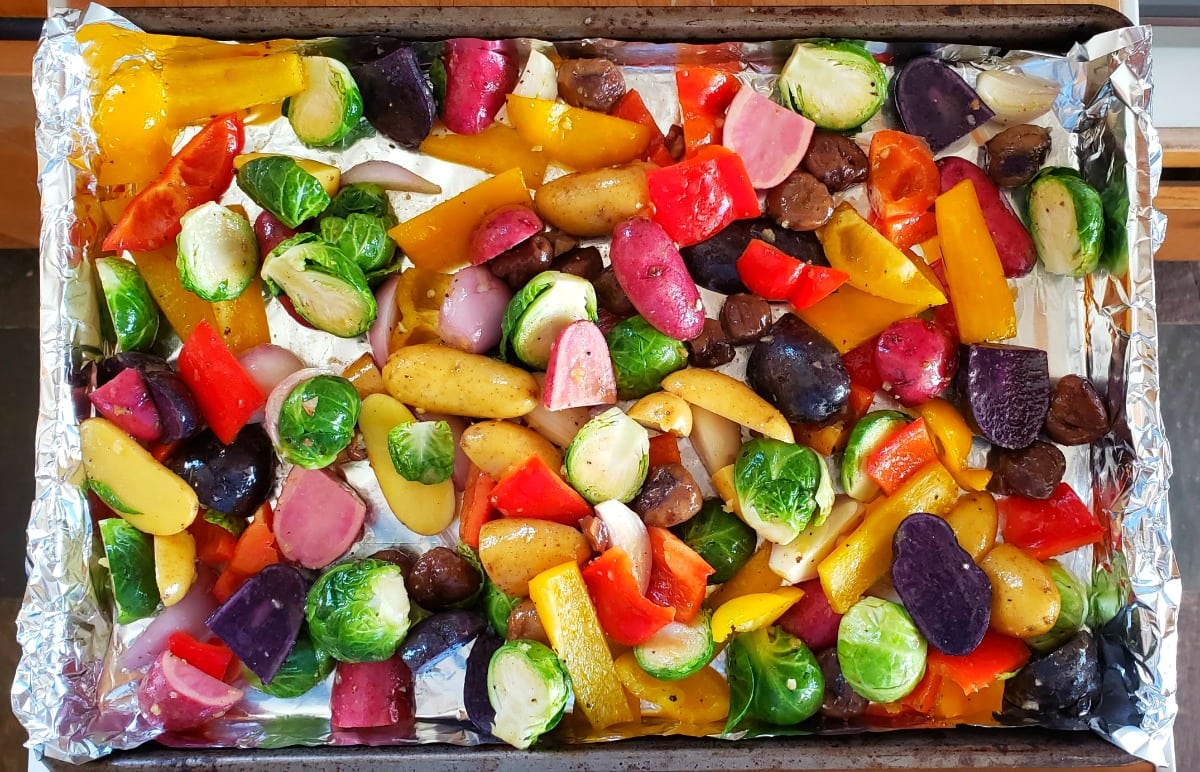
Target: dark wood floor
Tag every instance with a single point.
(1179, 292)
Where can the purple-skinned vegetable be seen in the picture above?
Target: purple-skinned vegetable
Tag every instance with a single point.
(473, 309)
(234, 479)
(317, 518)
(1006, 391)
(177, 408)
(479, 74)
(397, 97)
(371, 694)
(475, 695)
(379, 335)
(389, 176)
(269, 231)
(1013, 242)
(260, 621)
(434, 637)
(126, 402)
(935, 103)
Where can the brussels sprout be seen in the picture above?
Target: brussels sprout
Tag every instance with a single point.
(130, 306)
(720, 537)
(130, 557)
(422, 451)
(609, 457)
(780, 487)
(361, 198)
(677, 650)
(1066, 220)
(235, 525)
(497, 605)
(362, 237)
(305, 667)
(773, 677)
(1071, 613)
(279, 185)
(880, 650)
(642, 356)
(837, 85)
(528, 688)
(359, 611)
(217, 252)
(316, 421)
(327, 288)
(534, 317)
(1105, 596)
(329, 107)
(1115, 198)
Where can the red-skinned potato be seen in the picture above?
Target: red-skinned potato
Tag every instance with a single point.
(501, 230)
(177, 696)
(652, 272)
(1013, 242)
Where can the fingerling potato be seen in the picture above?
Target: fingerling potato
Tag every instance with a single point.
(592, 203)
(436, 378)
(729, 398)
(498, 447)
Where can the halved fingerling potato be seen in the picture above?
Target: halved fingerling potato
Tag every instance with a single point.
(592, 203)
(715, 439)
(664, 412)
(498, 447)
(439, 379)
(729, 398)
(1025, 600)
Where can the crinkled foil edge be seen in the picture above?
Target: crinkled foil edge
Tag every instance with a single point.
(63, 626)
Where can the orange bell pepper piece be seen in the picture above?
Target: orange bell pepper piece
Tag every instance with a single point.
(184, 310)
(578, 138)
(996, 656)
(702, 697)
(952, 441)
(496, 149)
(439, 239)
(561, 599)
(900, 455)
(850, 316)
(242, 322)
(983, 304)
(866, 554)
(477, 506)
(664, 449)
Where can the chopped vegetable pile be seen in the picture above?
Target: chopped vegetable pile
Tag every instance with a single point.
(698, 414)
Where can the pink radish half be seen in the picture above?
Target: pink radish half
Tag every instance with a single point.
(179, 696)
(501, 230)
(127, 403)
(770, 138)
(580, 372)
(318, 517)
(479, 74)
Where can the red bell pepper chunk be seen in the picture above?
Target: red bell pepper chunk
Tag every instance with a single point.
(775, 275)
(859, 402)
(227, 396)
(625, 615)
(664, 449)
(902, 178)
(212, 658)
(534, 490)
(200, 172)
(924, 696)
(630, 107)
(901, 455)
(704, 96)
(227, 584)
(678, 576)
(477, 506)
(995, 656)
(214, 545)
(699, 196)
(860, 366)
(906, 230)
(1045, 528)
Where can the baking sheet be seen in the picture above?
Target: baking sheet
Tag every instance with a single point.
(77, 706)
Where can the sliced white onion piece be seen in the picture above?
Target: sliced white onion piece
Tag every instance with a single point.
(389, 176)
(380, 333)
(1015, 97)
(280, 393)
(626, 530)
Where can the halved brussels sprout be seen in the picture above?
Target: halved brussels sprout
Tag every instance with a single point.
(548, 303)
(837, 85)
(642, 356)
(131, 308)
(278, 184)
(329, 107)
(528, 688)
(327, 288)
(305, 667)
(359, 611)
(773, 677)
(677, 650)
(1066, 220)
(497, 605)
(361, 237)
(217, 252)
(317, 420)
(609, 458)
(720, 537)
(780, 487)
(422, 451)
(1071, 613)
(880, 650)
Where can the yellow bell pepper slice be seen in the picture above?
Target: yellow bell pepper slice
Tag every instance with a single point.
(423, 509)
(242, 322)
(184, 310)
(439, 239)
(567, 614)
(983, 305)
(199, 88)
(701, 698)
(419, 295)
(364, 376)
(850, 316)
(578, 138)
(496, 149)
(174, 566)
(746, 613)
(952, 441)
(330, 177)
(875, 265)
(755, 576)
(130, 120)
(866, 554)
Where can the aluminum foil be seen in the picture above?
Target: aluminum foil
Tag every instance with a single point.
(78, 703)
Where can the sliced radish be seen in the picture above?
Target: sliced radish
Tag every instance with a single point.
(371, 694)
(179, 696)
(580, 372)
(770, 138)
(126, 402)
(318, 517)
(501, 230)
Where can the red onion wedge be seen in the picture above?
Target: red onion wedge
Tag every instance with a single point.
(267, 365)
(389, 176)
(381, 329)
(473, 309)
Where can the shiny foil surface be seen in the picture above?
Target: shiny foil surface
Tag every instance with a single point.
(78, 704)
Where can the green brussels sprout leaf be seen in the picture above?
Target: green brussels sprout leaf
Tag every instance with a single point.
(361, 198)
(305, 667)
(422, 451)
(720, 537)
(362, 237)
(327, 288)
(642, 356)
(131, 308)
(773, 678)
(781, 487)
(279, 185)
(317, 420)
